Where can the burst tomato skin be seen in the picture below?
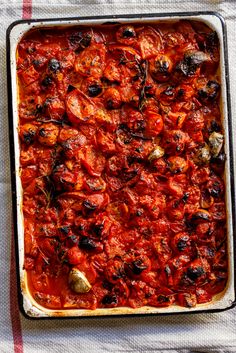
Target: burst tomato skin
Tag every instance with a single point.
(123, 190)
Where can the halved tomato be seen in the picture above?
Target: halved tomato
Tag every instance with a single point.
(49, 50)
(55, 108)
(112, 71)
(150, 42)
(79, 107)
(30, 75)
(93, 161)
(124, 53)
(91, 61)
(154, 123)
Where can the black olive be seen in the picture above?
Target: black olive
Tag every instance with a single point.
(138, 267)
(195, 273)
(42, 132)
(109, 299)
(186, 68)
(107, 285)
(210, 252)
(54, 65)
(128, 32)
(200, 215)
(89, 206)
(87, 243)
(39, 110)
(74, 239)
(202, 94)
(162, 66)
(185, 197)
(70, 88)
(181, 245)
(180, 93)
(110, 104)
(29, 136)
(94, 90)
(215, 126)
(169, 91)
(140, 125)
(80, 40)
(47, 81)
(36, 63)
(81, 227)
(139, 213)
(86, 40)
(220, 159)
(162, 299)
(209, 92)
(216, 190)
(124, 127)
(64, 229)
(212, 41)
(191, 62)
(147, 90)
(98, 228)
(167, 270)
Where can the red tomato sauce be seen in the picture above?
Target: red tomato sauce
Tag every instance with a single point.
(122, 163)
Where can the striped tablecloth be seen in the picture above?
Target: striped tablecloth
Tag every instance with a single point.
(185, 334)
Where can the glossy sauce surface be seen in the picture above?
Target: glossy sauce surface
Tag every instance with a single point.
(122, 164)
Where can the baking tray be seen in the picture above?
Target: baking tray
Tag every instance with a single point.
(222, 301)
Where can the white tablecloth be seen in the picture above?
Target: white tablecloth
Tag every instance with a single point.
(185, 334)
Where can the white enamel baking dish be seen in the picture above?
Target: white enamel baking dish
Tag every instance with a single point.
(29, 307)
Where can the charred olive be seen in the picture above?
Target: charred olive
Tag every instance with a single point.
(87, 243)
(162, 299)
(201, 215)
(214, 126)
(181, 245)
(54, 65)
(47, 81)
(209, 92)
(185, 197)
(109, 299)
(138, 267)
(94, 90)
(191, 62)
(169, 92)
(212, 41)
(215, 189)
(80, 40)
(70, 88)
(89, 206)
(98, 228)
(194, 273)
(128, 32)
(64, 229)
(220, 159)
